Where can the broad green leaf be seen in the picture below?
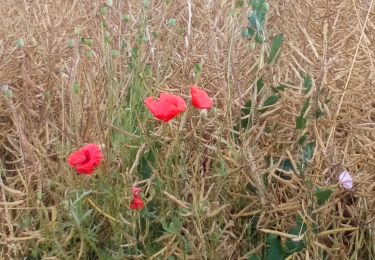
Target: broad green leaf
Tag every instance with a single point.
(296, 246)
(277, 41)
(301, 122)
(260, 85)
(253, 257)
(307, 82)
(259, 38)
(254, 22)
(246, 33)
(256, 4)
(305, 106)
(322, 195)
(274, 251)
(246, 110)
(271, 100)
(261, 16)
(286, 165)
(308, 151)
(146, 163)
(266, 6)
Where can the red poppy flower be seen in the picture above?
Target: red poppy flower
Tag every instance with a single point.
(199, 98)
(166, 107)
(137, 203)
(86, 159)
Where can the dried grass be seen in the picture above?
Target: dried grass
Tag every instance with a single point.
(330, 40)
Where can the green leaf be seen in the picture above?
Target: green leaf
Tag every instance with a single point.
(146, 164)
(254, 22)
(277, 41)
(279, 88)
(76, 88)
(197, 70)
(89, 54)
(247, 32)
(301, 120)
(89, 42)
(266, 6)
(308, 151)
(259, 38)
(77, 30)
(274, 250)
(20, 43)
(261, 15)
(296, 246)
(146, 4)
(271, 100)
(322, 195)
(302, 139)
(126, 18)
(253, 257)
(115, 53)
(305, 106)
(239, 3)
(260, 85)
(307, 82)
(104, 10)
(172, 22)
(286, 165)
(246, 110)
(256, 4)
(70, 43)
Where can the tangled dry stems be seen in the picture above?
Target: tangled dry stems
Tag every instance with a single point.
(331, 41)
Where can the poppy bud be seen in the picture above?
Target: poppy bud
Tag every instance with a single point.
(203, 114)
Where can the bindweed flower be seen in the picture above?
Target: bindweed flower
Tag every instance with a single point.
(86, 159)
(345, 180)
(167, 107)
(136, 203)
(200, 99)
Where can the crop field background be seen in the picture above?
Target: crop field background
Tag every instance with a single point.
(254, 177)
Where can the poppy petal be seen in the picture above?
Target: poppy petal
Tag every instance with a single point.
(166, 107)
(86, 160)
(200, 99)
(76, 158)
(137, 204)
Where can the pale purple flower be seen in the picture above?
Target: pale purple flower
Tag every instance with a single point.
(345, 180)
